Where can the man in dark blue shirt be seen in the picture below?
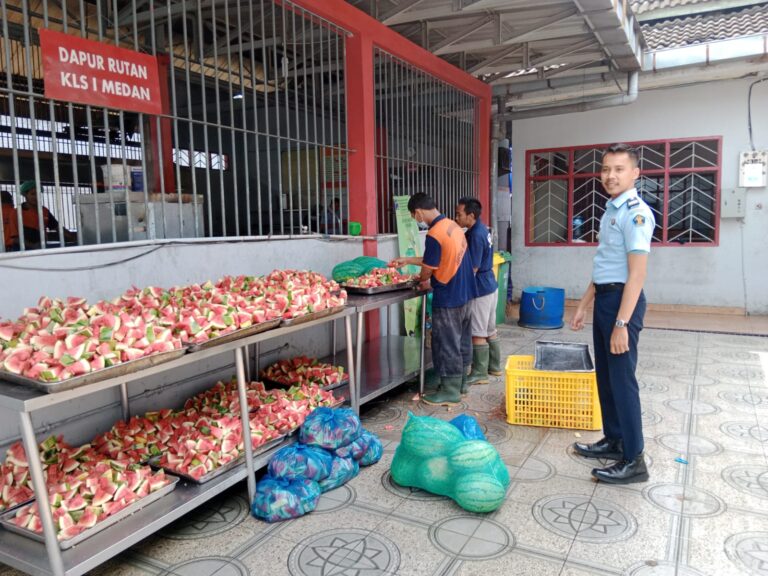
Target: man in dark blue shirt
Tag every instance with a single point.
(486, 348)
(446, 266)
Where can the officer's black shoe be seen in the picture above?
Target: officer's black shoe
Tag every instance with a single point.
(623, 472)
(606, 449)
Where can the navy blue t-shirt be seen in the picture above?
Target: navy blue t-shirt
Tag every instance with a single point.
(460, 289)
(480, 247)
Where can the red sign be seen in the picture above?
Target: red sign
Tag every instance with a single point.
(89, 72)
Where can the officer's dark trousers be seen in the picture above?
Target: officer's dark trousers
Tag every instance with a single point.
(451, 340)
(616, 382)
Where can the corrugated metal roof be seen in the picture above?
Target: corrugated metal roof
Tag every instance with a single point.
(642, 6)
(705, 28)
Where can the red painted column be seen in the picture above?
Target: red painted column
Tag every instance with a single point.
(164, 155)
(361, 134)
(483, 123)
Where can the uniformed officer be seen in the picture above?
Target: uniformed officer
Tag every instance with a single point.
(619, 271)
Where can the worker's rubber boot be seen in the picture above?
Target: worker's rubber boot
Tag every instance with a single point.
(464, 384)
(448, 395)
(479, 375)
(431, 381)
(494, 357)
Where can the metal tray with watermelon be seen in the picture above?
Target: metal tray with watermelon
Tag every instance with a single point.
(410, 284)
(6, 519)
(222, 469)
(96, 376)
(237, 334)
(312, 316)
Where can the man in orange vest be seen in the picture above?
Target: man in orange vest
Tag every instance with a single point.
(34, 237)
(10, 222)
(449, 272)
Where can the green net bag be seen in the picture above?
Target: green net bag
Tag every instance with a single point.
(355, 268)
(434, 455)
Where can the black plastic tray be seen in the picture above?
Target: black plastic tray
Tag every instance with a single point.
(562, 357)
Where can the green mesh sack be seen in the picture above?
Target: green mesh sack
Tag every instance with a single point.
(355, 268)
(434, 455)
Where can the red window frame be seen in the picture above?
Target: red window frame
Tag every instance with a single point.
(667, 172)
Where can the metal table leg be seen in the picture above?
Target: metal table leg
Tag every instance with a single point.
(124, 401)
(41, 494)
(352, 368)
(244, 417)
(333, 330)
(248, 363)
(423, 342)
(359, 348)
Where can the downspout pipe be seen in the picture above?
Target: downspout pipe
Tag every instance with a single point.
(621, 100)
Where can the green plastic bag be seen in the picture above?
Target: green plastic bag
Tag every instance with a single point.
(434, 455)
(355, 268)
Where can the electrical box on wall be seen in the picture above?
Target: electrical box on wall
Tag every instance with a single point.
(734, 203)
(753, 169)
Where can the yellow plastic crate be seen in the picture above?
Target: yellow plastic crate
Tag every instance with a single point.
(551, 399)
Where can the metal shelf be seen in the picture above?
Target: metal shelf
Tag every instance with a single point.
(30, 556)
(389, 362)
(48, 559)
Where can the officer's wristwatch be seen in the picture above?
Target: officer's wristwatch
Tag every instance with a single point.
(620, 323)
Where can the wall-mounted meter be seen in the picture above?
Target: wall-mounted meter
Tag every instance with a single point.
(753, 169)
(733, 203)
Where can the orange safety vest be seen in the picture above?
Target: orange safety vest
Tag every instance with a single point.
(30, 219)
(10, 226)
(453, 245)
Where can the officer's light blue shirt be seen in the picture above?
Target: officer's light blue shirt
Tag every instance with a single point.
(626, 226)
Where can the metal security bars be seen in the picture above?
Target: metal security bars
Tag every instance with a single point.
(252, 139)
(679, 180)
(426, 137)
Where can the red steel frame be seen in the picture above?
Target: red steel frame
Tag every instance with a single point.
(365, 34)
(666, 172)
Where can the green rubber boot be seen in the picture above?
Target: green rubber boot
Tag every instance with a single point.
(494, 357)
(431, 381)
(448, 395)
(464, 384)
(479, 373)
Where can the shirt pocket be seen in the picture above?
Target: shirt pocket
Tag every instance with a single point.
(613, 235)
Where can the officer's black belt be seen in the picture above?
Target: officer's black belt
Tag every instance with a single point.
(611, 287)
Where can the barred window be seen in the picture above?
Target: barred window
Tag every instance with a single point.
(679, 180)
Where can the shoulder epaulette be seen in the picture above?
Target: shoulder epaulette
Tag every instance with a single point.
(632, 202)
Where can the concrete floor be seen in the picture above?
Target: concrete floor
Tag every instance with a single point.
(705, 400)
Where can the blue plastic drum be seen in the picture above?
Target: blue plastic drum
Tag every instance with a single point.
(542, 308)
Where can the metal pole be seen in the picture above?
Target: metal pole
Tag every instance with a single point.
(359, 349)
(334, 341)
(354, 380)
(124, 401)
(244, 417)
(41, 494)
(423, 342)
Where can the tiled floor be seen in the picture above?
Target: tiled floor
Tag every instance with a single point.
(705, 400)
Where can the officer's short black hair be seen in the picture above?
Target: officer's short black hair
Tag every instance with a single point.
(620, 148)
(421, 201)
(471, 206)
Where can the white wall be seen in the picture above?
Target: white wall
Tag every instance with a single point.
(733, 274)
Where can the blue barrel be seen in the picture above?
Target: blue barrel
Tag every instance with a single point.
(542, 308)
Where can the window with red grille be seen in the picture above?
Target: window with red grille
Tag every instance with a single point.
(679, 180)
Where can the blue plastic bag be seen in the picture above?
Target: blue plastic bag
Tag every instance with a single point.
(357, 448)
(330, 428)
(301, 461)
(342, 471)
(278, 499)
(374, 452)
(469, 427)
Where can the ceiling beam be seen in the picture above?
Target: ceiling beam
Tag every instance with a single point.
(447, 11)
(465, 31)
(403, 6)
(478, 68)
